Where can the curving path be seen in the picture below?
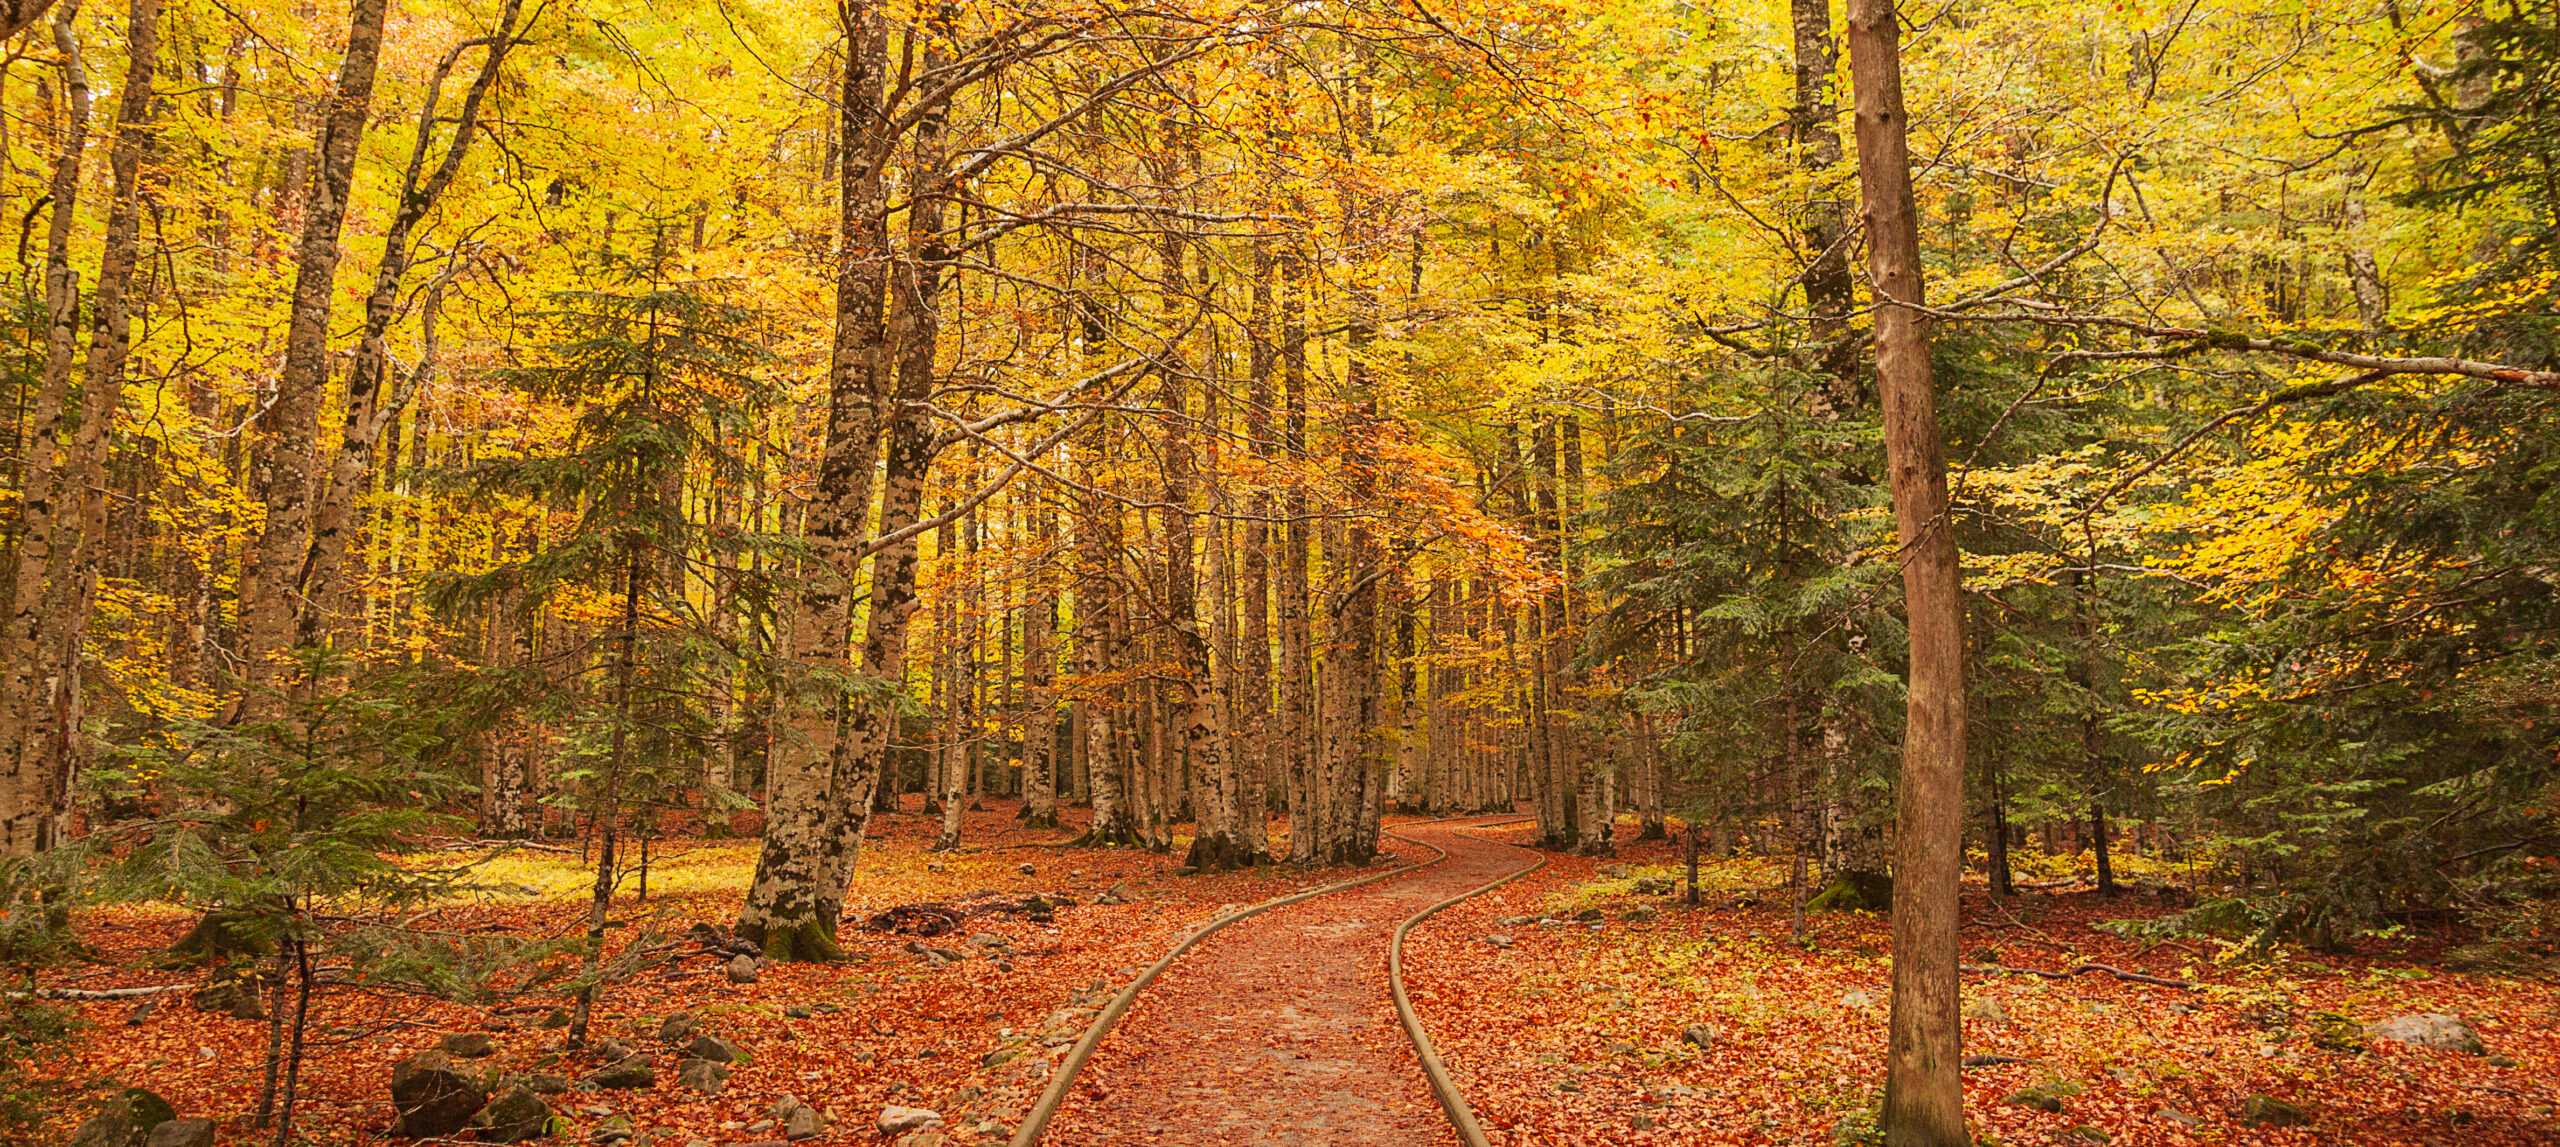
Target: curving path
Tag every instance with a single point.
(1279, 1028)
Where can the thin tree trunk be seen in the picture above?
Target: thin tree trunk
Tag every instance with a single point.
(1923, 1096)
(1040, 728)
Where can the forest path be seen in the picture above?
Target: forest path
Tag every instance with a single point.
(1279, 1028)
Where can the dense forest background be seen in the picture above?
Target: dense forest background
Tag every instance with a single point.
(572, 420)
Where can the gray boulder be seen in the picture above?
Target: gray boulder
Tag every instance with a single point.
(2432, 1029)
(470, 1045)
(712, 1048)
(181, 1133)
(1701, 1036)
(678, 1028)
(742, 969)
(517, 1114)
(614, 1130)
(626, 1074)
(803, 1123)
(703, 1075)
(896, 1120)
(434, 1095)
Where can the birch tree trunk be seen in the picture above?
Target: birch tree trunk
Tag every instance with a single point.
(1923, 1096)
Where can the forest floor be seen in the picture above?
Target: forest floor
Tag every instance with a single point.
(1570, 1034)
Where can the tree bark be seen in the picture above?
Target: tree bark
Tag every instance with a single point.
(368, 407)
(289, 427)
(47, 756)
(44, 521)
(1923, 1098)
(793, 901)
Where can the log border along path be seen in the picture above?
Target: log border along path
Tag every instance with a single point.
(1453, 1104)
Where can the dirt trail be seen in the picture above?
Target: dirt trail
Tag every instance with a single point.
(1279, 1029)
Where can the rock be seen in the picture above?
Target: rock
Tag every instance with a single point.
(705, 934)
(896, 1120)
(126, 1120)
(2178, 1117)
(626, 1074)
(1498, 940)
(1700, 1036)
(741, 946)
(1854, 998)
(1588, 916)
(1026, 870)
(1640, 1121)
(2269, 1111)
(781, 1108)
(612, 1130)
(991, 940)
(2331, 1031)
(2434, 1029)
(1616, 871)
(613, 1049)
(803, 1123)
(1986, 1009)
(181, 1133)
(742, 969)
(545, 1083)
(796, 1012)
(711, 1048)
(517, 1114)
(1116, 894)
(1636, 915)
(2502, 1061)
(2044, 1101)
(470, 1045)
(678, 1028)
(1516, 921)
(2091, 1134)
(704, 1075)
(556, 1019)
(434, 1095)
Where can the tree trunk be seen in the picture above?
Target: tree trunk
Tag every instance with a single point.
(792, 903)
(289, 427)
(368, 407)
(1298, 717)
(1039, 666)
(1923, 1098)
(44, 522)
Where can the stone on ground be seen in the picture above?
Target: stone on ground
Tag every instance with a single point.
(434, 1095)
(2433, 1029)
(517, 1114)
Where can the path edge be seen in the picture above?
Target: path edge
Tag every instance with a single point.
(1445, 1089)
(1037, 1122)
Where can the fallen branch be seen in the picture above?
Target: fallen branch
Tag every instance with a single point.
(2119, 973)
(99, 993)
